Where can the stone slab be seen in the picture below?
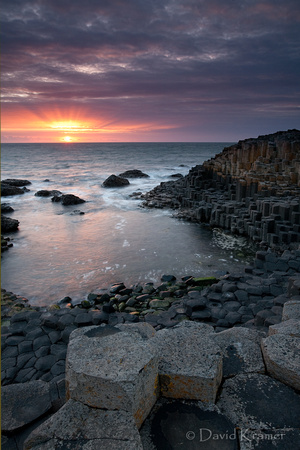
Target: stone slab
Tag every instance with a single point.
(290, 327)
(241, 351)
(23, 403)
(78, 427)
(112, 369)
(190, 364)
(258, 401)
(282, 358)
(291, 310)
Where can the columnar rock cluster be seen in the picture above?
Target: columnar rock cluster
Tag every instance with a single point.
(251, 188)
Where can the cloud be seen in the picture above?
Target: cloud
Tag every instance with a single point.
(169, 60)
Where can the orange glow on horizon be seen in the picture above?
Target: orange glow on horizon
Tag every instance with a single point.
(72, 125)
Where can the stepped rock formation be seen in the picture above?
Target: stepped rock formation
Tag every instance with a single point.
(251, 188)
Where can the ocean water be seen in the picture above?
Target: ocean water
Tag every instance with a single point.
(57, 252)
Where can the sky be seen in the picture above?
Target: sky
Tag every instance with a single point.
(148, 70)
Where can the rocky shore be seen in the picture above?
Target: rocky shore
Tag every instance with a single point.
(250, 189)
(188, 362)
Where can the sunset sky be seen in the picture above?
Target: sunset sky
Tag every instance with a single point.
(148, 70)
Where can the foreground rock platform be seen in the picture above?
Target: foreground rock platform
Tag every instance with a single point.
(112, 369)
(105, 388)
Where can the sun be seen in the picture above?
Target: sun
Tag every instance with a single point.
(67, 139)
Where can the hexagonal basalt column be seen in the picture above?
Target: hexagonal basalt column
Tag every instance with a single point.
(112, 369)
(190, 362)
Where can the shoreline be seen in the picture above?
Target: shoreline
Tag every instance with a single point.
(246, 322)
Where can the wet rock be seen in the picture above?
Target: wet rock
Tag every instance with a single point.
(67, 199)
(46, 193)
(168, 278)
(6, 208)
(16, 182)
(8, 225)
(7, 190)
(5, 243)
(255, 401)
(115, 181)
(176, 175)
(133, 173)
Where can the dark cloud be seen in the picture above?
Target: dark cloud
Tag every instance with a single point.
(177, 61)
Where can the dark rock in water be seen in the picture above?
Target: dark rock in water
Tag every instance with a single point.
(115, 288)
(7, 189)
(64, 301)
(14, 182)
(46, 193)
(115, 181)
(67, 199)
(134, 173)
(8, 224)
(168, 278)
(77, 212)
(5, 243)
(176, 175)
(5, 208)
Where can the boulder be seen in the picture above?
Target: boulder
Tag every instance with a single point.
(46, 193)
(112, 369)
(168, 278)
(8, 224)
(133, 173)
(23, 403)
(6, 208)
(67, 199)
(76, 426)
(176, 175)
(190, 365)
(282, 358)
(15, 182)
(7, 189)
(115, 181)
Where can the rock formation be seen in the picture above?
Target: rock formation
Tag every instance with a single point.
(115, 181)
(252, 188)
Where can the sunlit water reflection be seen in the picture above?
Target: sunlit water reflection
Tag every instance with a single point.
(58, 252)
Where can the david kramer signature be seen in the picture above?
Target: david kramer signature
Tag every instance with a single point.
(205, 434)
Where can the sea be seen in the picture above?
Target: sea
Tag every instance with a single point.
(59, 252)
